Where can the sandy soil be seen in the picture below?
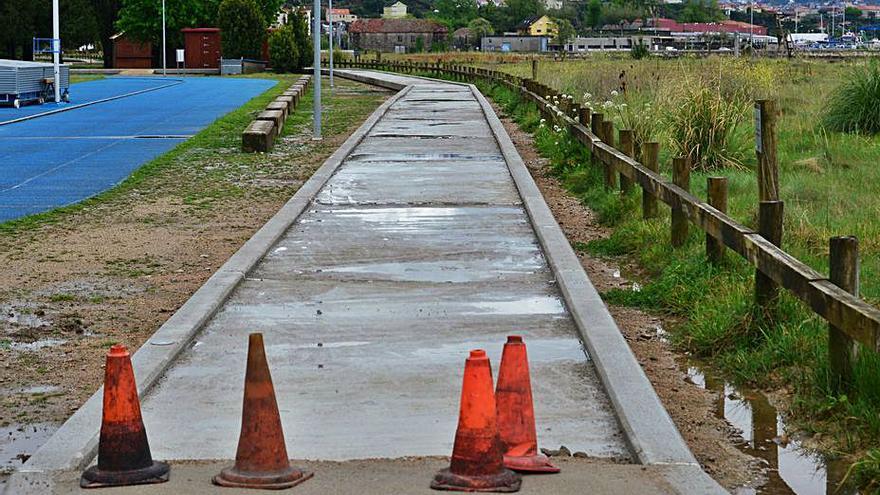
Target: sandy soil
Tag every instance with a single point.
(712, 440)
(116, 271)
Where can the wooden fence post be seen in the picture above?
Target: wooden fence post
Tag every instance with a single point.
(842, 350)
(765, 147)
(681, 177)
(651, 161)
(770, 215)
(584, 117)
(627, 146)
(535, 69)
(608, 138)
(717, 195)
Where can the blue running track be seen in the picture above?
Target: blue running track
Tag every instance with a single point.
(63, 158)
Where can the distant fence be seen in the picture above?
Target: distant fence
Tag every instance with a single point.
(833, 297)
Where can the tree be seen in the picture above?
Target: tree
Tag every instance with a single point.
(300, 27)
(243, 27)
(564, 32)
(142, 19)
(594, 14)
(106, 13)
(270, 9)
(700, 11)
(283, 50)
(455, 13)
(369, 8)
(480, 28)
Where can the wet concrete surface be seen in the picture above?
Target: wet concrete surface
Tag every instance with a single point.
(18, 441)
(416, 251)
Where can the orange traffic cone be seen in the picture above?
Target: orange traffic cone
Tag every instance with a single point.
(516, 414)
(123, 452)
(261, 460)
(477, 456)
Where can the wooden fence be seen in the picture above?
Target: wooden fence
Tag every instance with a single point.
(834, 298)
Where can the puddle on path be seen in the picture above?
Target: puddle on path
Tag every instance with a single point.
(19, 442)
(792, 470)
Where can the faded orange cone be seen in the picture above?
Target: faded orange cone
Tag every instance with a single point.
(476, 464)
(123, 452)
(261, 460)
(516, 412)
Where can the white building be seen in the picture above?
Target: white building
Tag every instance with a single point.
(396, 11)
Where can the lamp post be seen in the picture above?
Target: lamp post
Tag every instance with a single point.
(316, 62)
(164, 48)
(56, 50)
(330, 37)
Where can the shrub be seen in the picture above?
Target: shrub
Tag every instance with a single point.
(283, 52)
(705, 125)
(243, 28)
(855, 104)
(639, 50)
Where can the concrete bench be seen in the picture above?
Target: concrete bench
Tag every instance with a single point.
(259, 136)
(274, 116)
(278, 105)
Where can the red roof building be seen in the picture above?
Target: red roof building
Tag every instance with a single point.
(726, 26)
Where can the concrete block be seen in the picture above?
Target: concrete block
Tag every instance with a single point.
(278, 105)
(259, 136)
(275, 116)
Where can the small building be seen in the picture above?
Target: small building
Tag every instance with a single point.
(130, 54)
(584, 44)
(396, 35)
(343, 16)
(201, 48)
(537, 26)
(395, 11)
(553, 4)
(514, 43)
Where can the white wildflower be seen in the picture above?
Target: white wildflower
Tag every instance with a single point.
(588, 96)
(614, 93)
(559, 114)
(543, 120)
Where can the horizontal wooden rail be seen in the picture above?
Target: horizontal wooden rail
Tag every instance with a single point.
(854, 316)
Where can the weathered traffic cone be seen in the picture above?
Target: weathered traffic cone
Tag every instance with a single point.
(477, 456)
(123, 452)
(261, 460)
(516, 413)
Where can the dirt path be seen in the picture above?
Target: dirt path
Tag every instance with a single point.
(711, 439)
(116, 271)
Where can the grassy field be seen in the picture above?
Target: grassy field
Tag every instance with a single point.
(829, 181)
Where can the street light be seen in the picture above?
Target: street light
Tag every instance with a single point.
(316, 63)
(164, 48)
(330, 37)
(56, 50)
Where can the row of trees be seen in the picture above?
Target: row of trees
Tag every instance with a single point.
(580, 16)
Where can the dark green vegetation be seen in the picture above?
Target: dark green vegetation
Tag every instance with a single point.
(242, 26)
(855, 104)
(719, 321)
(283, 52)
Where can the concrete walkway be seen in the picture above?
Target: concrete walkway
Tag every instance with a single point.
(419, 247)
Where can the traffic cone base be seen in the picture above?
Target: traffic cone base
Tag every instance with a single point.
(504, 481)
(278, 480)
(538, 463)
(99, 478)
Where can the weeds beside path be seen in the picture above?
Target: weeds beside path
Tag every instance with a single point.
(115, 267)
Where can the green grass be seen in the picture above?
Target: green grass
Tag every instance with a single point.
(715, 303)
(78, 78)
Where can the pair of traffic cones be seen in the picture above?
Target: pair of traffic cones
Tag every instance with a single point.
(496, 435)
(124, 455)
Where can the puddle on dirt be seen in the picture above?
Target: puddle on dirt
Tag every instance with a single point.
(19, 442)
(792, 470)
(36, 345)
